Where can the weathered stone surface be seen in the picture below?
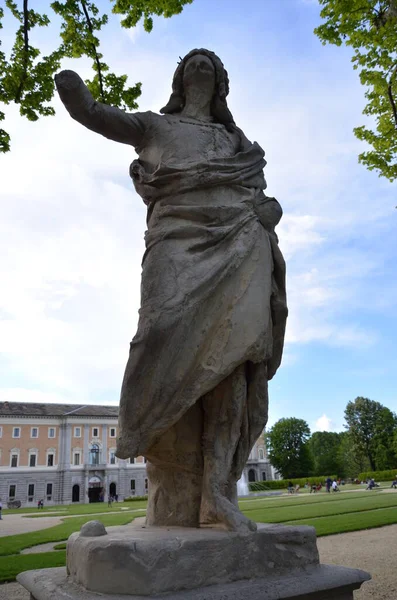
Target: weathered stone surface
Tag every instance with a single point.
(92, 529)
(213, 305)
(319, 582)
(156, 560)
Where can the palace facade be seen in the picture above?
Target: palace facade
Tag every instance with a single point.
(64, 453)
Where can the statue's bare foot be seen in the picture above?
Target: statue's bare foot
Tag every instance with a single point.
(220, 512)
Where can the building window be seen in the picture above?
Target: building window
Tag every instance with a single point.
(112, 457)
(51, 432)
(50, 460)
(132, 487)
(34, 432)
(1, 432)
(30, 492)
(263, 476)
(77, 432)
(14, 460)
(76, 459)
(12, 492)
(261, 454)
(94, 455)
(49, 491)
(32, 460)
(95, 432)
(112, 432)
(146, 486)
(16, 432)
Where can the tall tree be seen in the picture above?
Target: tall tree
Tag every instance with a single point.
(324, 447)
(370, 28)
(27, 79)
(352, 459)
(371, 427)
(288, 449)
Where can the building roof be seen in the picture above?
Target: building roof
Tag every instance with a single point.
(35, 409)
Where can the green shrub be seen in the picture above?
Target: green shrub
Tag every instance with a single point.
(135, 498)
(282, 484)
(378, 475)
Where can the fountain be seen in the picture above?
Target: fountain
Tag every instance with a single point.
(242, 486)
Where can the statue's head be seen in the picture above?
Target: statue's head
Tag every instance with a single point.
(204, 69)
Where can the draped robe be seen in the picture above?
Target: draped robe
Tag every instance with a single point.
(213, 277)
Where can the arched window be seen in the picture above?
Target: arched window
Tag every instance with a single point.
(94, 455)
(251, 475)
(261, 454)
(112, 490)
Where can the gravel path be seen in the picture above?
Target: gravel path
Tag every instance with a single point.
(14, 524)
(374, 550)
(49, 547)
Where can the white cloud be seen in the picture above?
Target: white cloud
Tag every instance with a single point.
(324, 423)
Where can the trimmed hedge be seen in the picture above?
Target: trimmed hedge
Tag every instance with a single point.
(379, 475)
(135, 498)
(282, 484)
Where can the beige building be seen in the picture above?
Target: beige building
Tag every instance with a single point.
(63, 453)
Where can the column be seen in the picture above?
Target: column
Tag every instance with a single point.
(86, 444)
(105, 444)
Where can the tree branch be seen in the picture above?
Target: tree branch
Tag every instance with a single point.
(391, 97)
(98, 64)
(25, 50)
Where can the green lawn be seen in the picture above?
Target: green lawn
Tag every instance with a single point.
(76, 509)
(329, 513)
(10, 567)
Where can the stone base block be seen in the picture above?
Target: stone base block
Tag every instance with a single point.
(319, 582)
(136, 562)
(146, 561)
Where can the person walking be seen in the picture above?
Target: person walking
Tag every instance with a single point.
(1, 508)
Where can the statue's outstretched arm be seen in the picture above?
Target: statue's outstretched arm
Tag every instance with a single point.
(109, 121)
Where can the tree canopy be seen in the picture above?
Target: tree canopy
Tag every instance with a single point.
(370, 28)
(324, 447)
(27, 77)
(288, 449)
(371, 427)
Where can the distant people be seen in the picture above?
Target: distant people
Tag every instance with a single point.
(297, 488)
(328, 484)
(371, 484)
(40, 504)
(110, 500)
(116, 497)
(335, 486)
(313, 489)
(394, 483)
(1, 508)
(290, 488)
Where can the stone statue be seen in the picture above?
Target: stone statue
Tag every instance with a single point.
(213, 307)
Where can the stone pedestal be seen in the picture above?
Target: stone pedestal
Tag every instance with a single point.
(134, 563)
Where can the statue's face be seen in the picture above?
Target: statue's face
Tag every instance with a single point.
(199, 72)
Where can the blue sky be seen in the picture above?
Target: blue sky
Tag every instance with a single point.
(72, 226)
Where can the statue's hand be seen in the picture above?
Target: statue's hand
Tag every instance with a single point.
(69, 85)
